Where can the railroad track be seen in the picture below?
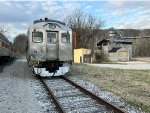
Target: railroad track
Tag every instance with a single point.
(70, 97)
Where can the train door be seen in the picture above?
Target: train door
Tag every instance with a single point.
(52, 45)
(65, 46)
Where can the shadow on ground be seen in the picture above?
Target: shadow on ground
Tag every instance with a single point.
(4, 64)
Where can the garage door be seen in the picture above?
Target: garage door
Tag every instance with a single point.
(123, 56)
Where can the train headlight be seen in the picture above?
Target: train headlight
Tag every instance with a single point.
(38, 51)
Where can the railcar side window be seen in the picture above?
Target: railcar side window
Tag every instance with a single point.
(37, 37)
(65, 37)
(51, 37)
(0, 43)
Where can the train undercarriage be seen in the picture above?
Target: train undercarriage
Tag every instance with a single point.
(50, 68)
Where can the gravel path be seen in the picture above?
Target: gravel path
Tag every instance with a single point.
(17, 93)
(126, 65)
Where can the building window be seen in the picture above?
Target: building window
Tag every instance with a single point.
(37, 37)
(65, 37)
(51, 37)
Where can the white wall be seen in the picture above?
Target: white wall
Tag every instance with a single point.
(113, 56)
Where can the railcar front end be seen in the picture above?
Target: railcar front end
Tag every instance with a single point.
(49, 47)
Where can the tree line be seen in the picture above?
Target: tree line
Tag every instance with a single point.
(20, 45)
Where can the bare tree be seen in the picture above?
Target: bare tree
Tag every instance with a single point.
(4, 29)
(86, 27)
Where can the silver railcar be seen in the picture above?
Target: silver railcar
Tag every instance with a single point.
(49, 47)
(5, 48)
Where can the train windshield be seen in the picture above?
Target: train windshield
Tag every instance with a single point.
(37, 37)
(51, 37)
(65, 37)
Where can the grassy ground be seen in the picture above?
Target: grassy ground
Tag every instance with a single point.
(132, 85)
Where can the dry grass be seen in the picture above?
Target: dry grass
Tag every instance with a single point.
(132, 85)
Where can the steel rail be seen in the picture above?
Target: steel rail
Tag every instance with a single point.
(50, 92)
(108, 105)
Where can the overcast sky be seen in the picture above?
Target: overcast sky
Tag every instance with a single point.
(18, 15)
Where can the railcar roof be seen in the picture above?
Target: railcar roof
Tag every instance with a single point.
(3, 38)
(41, 25)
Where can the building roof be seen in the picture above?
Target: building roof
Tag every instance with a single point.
(103, 41)
(122, 42)
(115, 49)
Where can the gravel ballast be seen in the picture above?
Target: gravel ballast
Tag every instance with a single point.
(18, 89)
(72, 99)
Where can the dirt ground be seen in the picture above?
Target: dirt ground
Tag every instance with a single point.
(132, 85)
